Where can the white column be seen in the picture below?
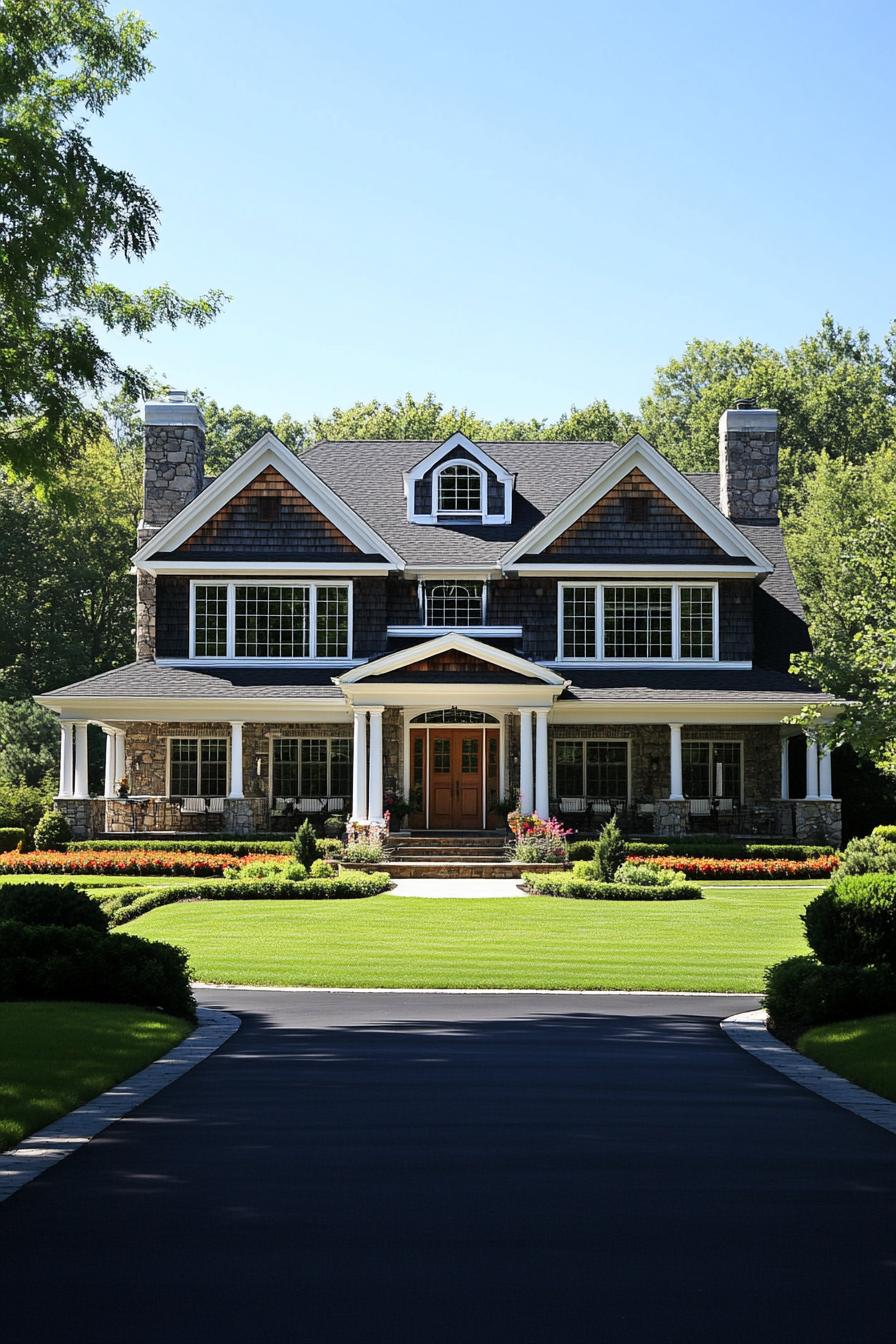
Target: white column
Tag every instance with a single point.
(236, 760)
(66, 757)
(824, 773)
(675, 787)
(109, 785)
(359, 767)
(542, 787)
(785, 767)
(811, 767)
(375, 791)
(81, 790)
(527, 802)
(120, 766)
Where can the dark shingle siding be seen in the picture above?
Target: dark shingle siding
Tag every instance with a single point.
(736, 620)
(172, 616)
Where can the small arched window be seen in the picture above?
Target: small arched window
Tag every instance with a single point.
(459, 489)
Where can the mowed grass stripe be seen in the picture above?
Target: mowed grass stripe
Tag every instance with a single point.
(723, 942)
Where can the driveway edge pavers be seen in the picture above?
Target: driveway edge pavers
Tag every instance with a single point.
(750, 1031)
(65, 1136)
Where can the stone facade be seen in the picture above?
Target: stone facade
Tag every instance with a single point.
(748, 460)
(671, 817)
(817, 821)
(84, 815)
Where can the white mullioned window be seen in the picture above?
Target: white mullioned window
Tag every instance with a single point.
(454, 603)
(591, 768)
(312, 766)
(268, 621)
(197, 766)
(459, 489)
(638, 622)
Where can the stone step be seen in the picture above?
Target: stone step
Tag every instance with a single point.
(447, 868)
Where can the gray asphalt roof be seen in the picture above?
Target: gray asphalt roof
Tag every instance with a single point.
(757, 685)
(150, 679)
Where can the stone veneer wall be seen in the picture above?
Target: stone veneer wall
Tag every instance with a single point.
(748, 465)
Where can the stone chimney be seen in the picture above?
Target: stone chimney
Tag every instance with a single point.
(173, 475)
(748, 463)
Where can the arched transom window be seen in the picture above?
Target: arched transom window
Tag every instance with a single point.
(450, 604)
(460, 489)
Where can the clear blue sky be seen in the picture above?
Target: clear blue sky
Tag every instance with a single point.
(518, 206)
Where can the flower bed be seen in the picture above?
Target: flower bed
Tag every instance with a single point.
(740, 870)
(133, 862)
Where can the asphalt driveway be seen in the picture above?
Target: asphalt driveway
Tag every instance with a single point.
(464, 1167)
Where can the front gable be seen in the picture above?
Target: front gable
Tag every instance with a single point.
(268, 518)
(684, 517)
(452, 654)
(421, 484)
(635, 520)
(229, 514)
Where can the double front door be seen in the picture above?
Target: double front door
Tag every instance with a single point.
(453, 769)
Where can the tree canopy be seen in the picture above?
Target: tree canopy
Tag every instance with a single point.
(62, 62)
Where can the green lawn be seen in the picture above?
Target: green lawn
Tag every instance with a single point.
(54, 1056)
(864, 1051)
(723, 942)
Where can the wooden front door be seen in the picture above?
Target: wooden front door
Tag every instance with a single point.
(455, 779)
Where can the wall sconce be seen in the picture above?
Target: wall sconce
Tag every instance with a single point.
(259, 765)
(136, 763)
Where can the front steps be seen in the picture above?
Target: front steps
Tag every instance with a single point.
(467, 854)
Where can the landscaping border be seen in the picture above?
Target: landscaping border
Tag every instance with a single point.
(750, 1031)
(47, 1146)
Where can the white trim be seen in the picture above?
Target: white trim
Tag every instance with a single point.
(440, 458)
(430, 648)
(287, 569)
(430, 631)
(682, 664)
(424, 572)
(601, 660)
(639, 454)
(267, 452)
(596, 570)
(477, 471)
(231, 659)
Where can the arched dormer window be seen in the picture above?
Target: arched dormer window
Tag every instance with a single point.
(459, 487)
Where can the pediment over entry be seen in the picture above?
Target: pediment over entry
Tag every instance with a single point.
(453, 655)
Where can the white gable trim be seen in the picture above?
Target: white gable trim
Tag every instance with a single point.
(429, 648)
(267, 452)
(441, 456)
(638, 454)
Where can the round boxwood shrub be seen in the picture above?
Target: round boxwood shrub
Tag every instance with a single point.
(853, 921)
(801, 993)
(11, 837)
(49, 962)
(61, 903)
(52, 831)
(868, 854)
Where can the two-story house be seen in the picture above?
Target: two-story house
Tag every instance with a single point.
(578, 623)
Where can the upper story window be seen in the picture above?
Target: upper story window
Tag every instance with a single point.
(451, 604)
(459, 489)
(271, 620)
(639, 622)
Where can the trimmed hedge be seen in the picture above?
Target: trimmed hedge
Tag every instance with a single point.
(853, 921)
(62, 904)
(241, 848)
(48, 962)
(887, 833)
(343, 887)
(801, 993)
(714, 848)
(11, 837)
(581, 889)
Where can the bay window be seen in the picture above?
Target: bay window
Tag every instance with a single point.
(271, 620)
(638, 622)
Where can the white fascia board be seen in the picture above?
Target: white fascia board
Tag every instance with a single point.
(414, 696)
(453, 571)
(288, 568)
(479, 631)
(200, 709)
(690, 712)
(639, 454)
(431, 648)
(562, 568)
(654, 664)
(267, 452)
(271, 663)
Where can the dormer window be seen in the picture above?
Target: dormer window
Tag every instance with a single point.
(459, 481)
(459, 489)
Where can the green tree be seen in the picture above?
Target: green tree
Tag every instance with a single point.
(29, 743)
(61, 62)
(230, 430)
(842, 543)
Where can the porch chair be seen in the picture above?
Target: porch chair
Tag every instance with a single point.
(193, 805)
(335, 806)
(575, 809)
(310, 807)
(699, 809)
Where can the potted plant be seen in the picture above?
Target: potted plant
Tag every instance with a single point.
(123, 789)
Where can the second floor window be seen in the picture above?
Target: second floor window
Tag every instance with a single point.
(453, 604)
(460, 490)
(638, 622)
(238, 620)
